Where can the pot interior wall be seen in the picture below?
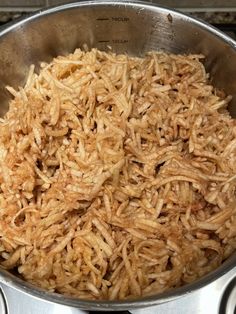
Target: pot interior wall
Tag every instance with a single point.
(131, 29)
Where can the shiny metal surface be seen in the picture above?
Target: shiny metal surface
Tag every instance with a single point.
(204, 301)
(3, 306)
(125, 26)
(186, 5)
(228, 302)
(230, 306)
(128, 27)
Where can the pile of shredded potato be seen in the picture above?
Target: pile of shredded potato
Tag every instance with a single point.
(117, 175)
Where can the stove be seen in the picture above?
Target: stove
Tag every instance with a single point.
(219, 297)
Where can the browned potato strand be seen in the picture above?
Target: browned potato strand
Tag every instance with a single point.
(117, 175)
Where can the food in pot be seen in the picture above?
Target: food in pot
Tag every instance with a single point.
(117, 175)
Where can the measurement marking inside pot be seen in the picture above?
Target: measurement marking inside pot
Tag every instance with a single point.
(120, 19)
(104, 41)
(102, 19)
(114, 19)
(120, 41)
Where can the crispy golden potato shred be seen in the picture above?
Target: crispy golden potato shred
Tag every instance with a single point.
(117, 175)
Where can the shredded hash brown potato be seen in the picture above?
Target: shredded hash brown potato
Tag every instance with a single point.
(117, 175)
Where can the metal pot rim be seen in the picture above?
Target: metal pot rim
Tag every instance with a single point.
(21, 285)
(17, 283)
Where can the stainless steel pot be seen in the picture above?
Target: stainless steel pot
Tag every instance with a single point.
(132, 27)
